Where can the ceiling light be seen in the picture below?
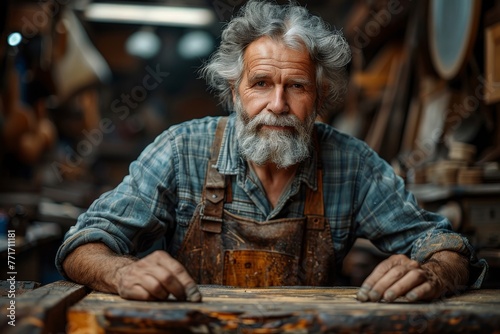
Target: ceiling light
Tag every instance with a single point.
(148, 14)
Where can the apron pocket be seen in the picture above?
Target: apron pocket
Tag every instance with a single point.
(259, 268)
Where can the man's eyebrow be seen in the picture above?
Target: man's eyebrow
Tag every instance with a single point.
(300, 80)
(255, 76)
(258, 76)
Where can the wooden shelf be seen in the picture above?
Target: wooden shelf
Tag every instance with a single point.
(432, 193)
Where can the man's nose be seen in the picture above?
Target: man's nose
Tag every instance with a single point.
(278, 102)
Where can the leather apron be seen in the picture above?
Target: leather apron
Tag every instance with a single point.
(226, 249)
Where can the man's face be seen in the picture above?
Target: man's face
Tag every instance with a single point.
(275, 104)
(277, 79)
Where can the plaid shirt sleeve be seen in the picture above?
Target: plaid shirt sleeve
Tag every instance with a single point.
(389, 216)
(150, 202)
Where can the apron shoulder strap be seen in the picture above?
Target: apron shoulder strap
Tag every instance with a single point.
(219, 134)
(314, 206)
(318, 253)
(214, 187)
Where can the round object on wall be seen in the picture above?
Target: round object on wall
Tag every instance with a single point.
(453, 26)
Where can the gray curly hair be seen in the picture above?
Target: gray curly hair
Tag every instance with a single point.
(293, 25)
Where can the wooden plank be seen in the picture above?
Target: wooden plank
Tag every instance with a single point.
(400, 105)
(285, 310)
(375, 135)
(492, 64)
(492, 154)
(20, 287)
(41, 310)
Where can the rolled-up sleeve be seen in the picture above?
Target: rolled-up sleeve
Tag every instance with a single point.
(390, 217)
(432, 242)
(139, 211)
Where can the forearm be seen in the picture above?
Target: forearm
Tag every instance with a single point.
(449, 269)
(96, 266)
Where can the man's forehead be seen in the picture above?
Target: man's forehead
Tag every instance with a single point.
(266, 51)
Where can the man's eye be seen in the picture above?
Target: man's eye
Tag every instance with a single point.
(260, 84)
(298, 86)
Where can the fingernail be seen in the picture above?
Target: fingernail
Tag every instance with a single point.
(362, 296)
(390, 296)
(411, 296)
(193, 294)
(365, 288)
(374, 295)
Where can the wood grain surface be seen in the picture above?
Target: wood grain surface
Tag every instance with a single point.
(286, 310)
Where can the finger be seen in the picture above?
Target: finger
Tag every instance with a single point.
(189, 288)
(151, 283)
(372, 279)
(401, 287)
(159, 280)
(394, 275)
(193, 293)
(135, 292)
(425, 291)
(146, 277)
(177, 280)
(156, 278)
(366, 291)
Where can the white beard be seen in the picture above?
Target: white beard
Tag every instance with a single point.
(284, 148)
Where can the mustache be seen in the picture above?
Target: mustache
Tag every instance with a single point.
(270, 119)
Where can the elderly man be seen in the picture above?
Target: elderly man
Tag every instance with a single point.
(265, 196)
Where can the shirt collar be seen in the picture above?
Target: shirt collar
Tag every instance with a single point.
(229, 155)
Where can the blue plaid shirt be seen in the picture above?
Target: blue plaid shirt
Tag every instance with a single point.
(362, 195)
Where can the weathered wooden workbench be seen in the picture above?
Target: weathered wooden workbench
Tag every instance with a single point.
(65, 307)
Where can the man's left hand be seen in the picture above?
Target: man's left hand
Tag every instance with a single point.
(400, 276)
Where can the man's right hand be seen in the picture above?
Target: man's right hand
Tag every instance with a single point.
(155, 277)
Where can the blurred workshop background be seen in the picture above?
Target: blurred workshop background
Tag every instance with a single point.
(87, 84)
